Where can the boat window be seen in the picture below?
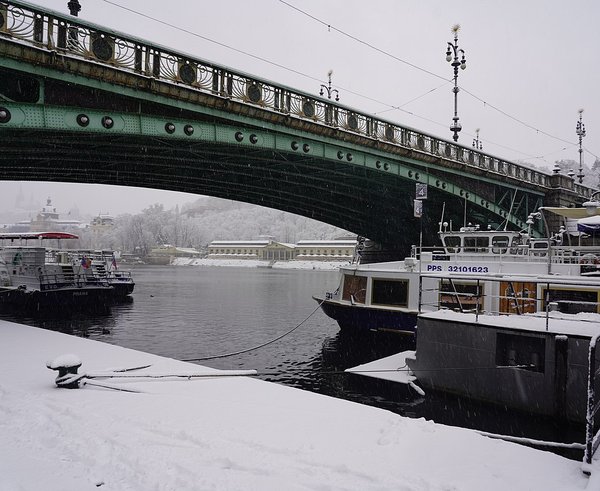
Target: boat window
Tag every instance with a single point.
(571, 301)
(500, 244)
(477, 244)
(460, 296)
(355, 288)
(452, 243)
(517, 297)
(520, 351)
(516, 247)
(390, 292)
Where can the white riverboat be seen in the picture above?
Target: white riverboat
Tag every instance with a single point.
(388, 296)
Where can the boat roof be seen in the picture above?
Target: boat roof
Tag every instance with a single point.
(36, 235)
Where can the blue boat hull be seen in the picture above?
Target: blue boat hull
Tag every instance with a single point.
(361, 318)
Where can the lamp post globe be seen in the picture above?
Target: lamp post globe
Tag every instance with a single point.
(74, 7)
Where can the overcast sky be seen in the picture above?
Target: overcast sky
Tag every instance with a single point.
(531, 65)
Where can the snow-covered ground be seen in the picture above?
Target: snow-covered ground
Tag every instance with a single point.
(232, 433)
(257, 263)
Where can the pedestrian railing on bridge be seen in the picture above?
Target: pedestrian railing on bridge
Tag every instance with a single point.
(70, 36)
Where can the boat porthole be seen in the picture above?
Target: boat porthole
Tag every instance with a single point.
(378, 164)
(349, 157)
(386, 166)
(295, 145)
(188, 129)
(306, 148)
(340, 155)
(170, 128)
(253, 139)
(239, 136)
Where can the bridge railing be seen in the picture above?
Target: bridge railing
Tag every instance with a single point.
(69, 35)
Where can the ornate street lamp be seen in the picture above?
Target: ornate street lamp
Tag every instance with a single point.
(74, 7)
(455, 62)
(580, 130)
(476, 143)
(327, 88)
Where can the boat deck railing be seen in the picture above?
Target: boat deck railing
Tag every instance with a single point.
(99, 270)
(119, 276)
(466, 294)
(556, 254)
(52, 281)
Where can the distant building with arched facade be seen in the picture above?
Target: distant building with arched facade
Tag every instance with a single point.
(271, 250)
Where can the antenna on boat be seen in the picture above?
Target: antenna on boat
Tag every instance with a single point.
(510, 210)
(443, 211)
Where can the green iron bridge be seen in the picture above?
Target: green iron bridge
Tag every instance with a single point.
(82, 103)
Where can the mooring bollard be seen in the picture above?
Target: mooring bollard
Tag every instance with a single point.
(67, 366)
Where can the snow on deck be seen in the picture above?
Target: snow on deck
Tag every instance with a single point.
(583, 324)
(228, 433)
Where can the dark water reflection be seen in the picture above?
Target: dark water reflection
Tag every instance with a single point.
(197, 312)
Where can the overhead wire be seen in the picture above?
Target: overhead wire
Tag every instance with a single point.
(205, 38)
(386, 53)
(413, 99)
(365, 43)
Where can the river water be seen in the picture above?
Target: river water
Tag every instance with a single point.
(192, 312)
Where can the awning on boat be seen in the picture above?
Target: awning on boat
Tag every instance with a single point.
(36, 235)
(571, 212)
(589, 225)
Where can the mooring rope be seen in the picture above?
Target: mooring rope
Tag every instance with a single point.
(225, 355)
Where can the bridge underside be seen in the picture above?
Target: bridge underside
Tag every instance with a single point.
(355, 198)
